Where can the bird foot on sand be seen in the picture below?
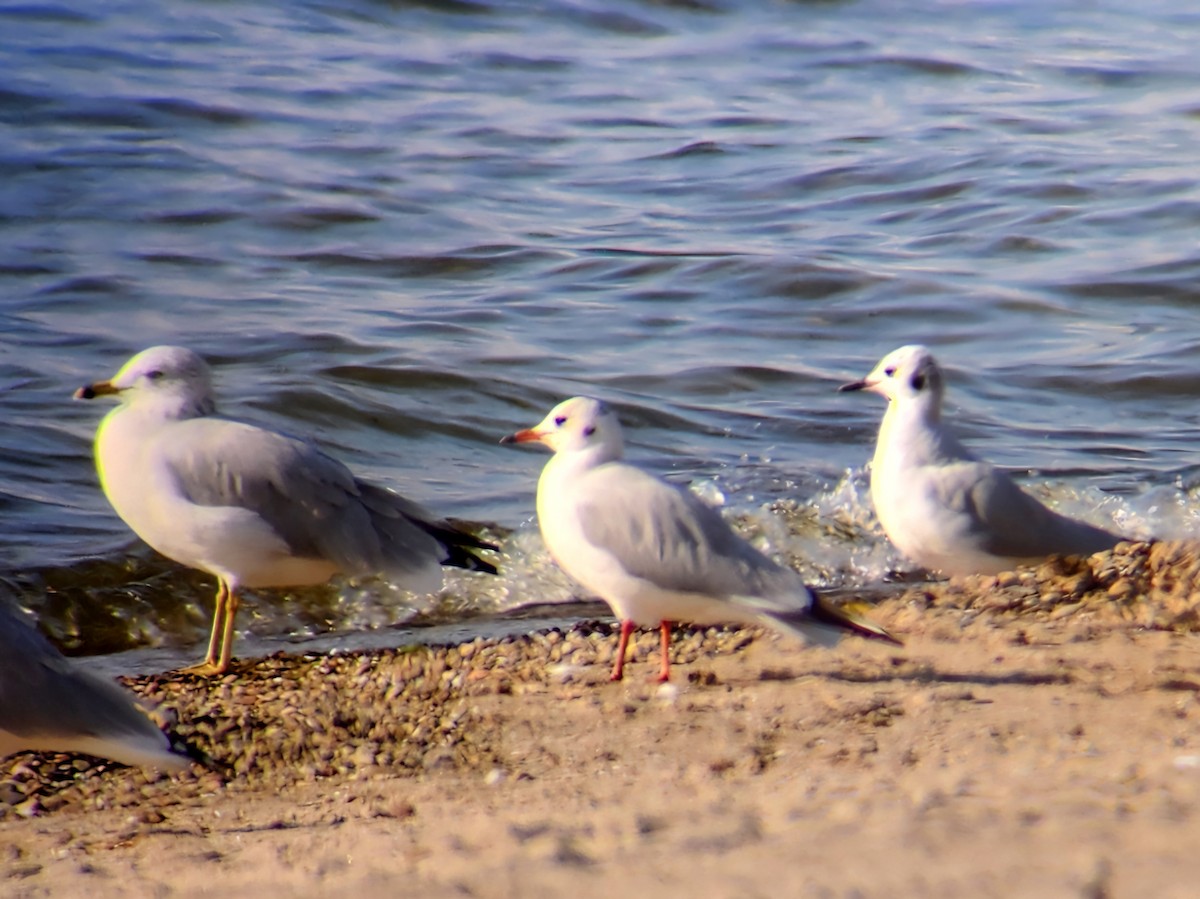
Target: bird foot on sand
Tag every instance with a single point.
(203, 669)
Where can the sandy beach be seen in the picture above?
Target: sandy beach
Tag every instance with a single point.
(1039, 734)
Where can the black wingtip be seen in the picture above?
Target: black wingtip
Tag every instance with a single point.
(458, 545)
(466, 538)
(825, 612)
(460, 557)
(192, 752)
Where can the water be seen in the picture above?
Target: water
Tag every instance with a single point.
(408, 229)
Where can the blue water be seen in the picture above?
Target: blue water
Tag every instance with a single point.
(408, 229)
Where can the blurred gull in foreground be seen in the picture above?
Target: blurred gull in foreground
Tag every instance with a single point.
(253, 507)
(48, 704)
(654, 551)
(938, 503)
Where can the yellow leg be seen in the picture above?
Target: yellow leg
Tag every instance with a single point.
(231, 607)
(214, 645)
(220, 629)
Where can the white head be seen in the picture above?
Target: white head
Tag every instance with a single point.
(580, 423)
(170, 377)
(907, 375)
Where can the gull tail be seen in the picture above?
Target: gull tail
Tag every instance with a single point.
(192, 751)
(128, 749)
(458, 546)
(395, 519)
(824, 623)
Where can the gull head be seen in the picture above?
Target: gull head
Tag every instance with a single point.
(171, 377)
(909, 374)
(574, 425)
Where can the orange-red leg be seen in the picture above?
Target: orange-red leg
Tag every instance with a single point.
(619, 665)
(664, 673)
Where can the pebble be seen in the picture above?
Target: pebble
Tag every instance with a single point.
(285, 719)
(1153, 584)
(495, 777)
(274, 722)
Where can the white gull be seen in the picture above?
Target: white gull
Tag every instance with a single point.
(942, 506)
(253, 507)
(653, 551)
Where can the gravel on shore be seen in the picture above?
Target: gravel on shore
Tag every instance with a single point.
(287, 719)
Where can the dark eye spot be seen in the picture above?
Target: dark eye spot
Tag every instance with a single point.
(154, 375)
(890, 370)
(560, 421)
(918, 381)
(589, 430)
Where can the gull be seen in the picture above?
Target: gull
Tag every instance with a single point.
(48, 704)
(942, 506)
(253, 507)
(653, 551)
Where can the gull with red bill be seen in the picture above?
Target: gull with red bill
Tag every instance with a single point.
(653, 551)
(939, 503)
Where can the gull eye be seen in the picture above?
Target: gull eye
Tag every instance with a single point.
(890, 370)
(154, 375)
(560, 421)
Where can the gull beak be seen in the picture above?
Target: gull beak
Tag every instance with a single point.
(91, 391)
(529, 435)
(864, 384)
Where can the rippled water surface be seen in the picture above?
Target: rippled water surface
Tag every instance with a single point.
(407, 229)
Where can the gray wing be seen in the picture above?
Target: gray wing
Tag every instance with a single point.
(311, 500)
(667, 536)
(1006, 521)
(46, 702)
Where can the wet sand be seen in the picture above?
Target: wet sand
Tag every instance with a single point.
(1039, 734)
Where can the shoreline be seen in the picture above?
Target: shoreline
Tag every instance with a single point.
(1038, 734)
